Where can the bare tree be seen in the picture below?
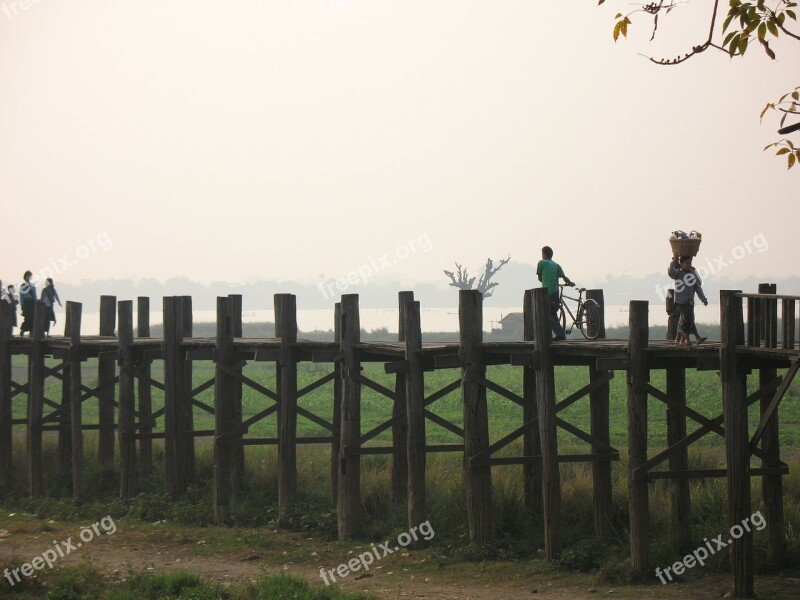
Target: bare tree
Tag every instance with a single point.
(461, 279)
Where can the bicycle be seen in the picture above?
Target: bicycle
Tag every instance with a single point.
(587, 317)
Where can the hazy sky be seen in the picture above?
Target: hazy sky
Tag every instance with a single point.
(300, 140)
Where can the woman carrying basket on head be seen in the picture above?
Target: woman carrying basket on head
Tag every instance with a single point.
(687, 282)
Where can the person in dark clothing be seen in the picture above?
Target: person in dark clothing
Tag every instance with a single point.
(687, 283)
(11, 298)
(27, 298)
(49, 298)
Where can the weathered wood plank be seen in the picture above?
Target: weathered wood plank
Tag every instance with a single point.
(286, 330)
(106, 373)
(546, 406)
(129, 483)
(6, 417)
(399, 428)
(224, 412)
(349, 482)
(144, 388)
(36, 379)
(531, 444)
(638, 375)
(737, 447)
(599, 402)
(74, 313)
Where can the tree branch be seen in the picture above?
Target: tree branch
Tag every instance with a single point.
(696, 49)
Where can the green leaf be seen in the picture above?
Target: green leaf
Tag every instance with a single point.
(762, 31)
(782, 151)
(728, 38)
(772, 28)
(742, 45)
(734, 43)
(791, 15)
(727, 22)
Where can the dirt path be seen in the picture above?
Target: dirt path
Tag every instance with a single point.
(230, 555)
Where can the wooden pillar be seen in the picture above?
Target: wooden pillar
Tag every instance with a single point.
(755, 320)
(599, 406)
(224, 400)
(678, 460)
(65, 431)
(173, 479)
(531, 444)
(638, 376)
(349, 499)
(286, 330)
(337, 408)
(737, 443)
(74, 313)
(546, 407)
(106, 371)
(772, 485)
(179, 461)
(788, 322)
(6, 418)
(36, 377)
(129, 476)
(186, 385)
(769, 315)
(476, 417)
(770, 319)
(144, 388)
(414, 390)
(400, 427)
(237, 448)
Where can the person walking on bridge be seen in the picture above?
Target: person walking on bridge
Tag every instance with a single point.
(549, 273)
(27, 298)
(687, 283)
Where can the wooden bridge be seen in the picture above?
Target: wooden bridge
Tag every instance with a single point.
(749, 340)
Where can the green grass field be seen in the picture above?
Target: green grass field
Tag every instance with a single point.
(519, 533)
(704, 394)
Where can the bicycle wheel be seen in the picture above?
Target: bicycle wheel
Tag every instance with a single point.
(562, 317)
(589, 319)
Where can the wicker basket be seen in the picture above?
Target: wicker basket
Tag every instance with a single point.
(688, 247)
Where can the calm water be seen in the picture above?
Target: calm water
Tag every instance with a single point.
(433, 319)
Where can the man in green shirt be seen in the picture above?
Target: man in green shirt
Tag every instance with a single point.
(549, 273)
